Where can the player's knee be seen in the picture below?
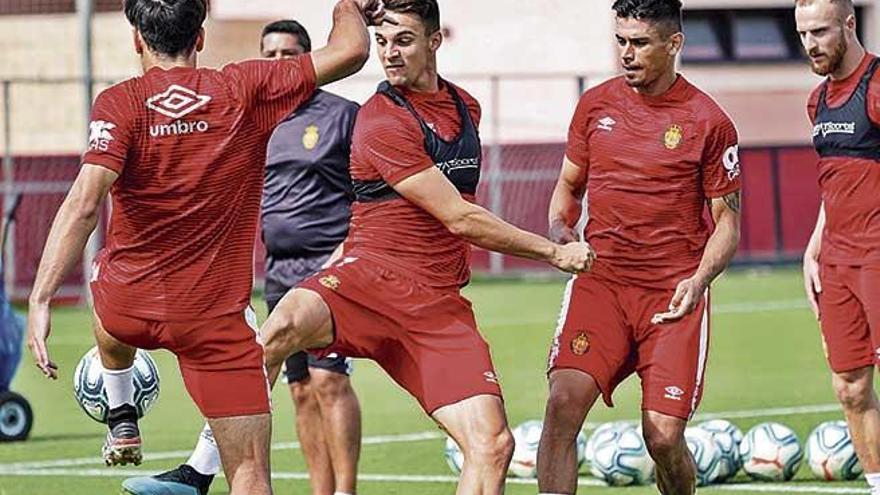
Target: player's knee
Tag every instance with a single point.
(854, 389)
(302, 394)
(663, 443)
(491, 449)
(565, 406)
(332, 387)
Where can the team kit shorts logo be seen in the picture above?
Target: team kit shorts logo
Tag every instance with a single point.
(580, 344)
(177, 102)
(673, 393)
(606, 124)
(330, 281)
(673, 136)
(99, 135)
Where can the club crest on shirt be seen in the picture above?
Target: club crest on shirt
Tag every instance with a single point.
(311, 137)
(330, 281)
(580, 344)
(673, 136)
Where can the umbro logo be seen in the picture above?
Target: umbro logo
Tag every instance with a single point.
(177, 102)
(673, 392)
(607, 124)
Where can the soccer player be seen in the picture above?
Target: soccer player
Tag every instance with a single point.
(394, 295)
(651, 151)
(181, 149)
(842, 259)
(306, 209)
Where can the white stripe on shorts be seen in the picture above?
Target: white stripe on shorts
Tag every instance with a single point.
(560, 322)
(251, 318)
(704, 351)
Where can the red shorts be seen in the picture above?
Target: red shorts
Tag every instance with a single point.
(849, 306)
(426, 339)
(605, 330)
(221, 359)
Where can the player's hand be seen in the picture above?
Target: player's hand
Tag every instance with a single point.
(38, 330)
(812, 284)
(562, 234)
(687, 295)
(574, 257)
(373, 10)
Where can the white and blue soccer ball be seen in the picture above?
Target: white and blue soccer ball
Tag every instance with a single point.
(454, 456)
(707, 457)
(580, 445)
(526, 438)
(590, 445)
(830, 453)
(727, 438)
(771, 452)
(88, 384)
(621, 458)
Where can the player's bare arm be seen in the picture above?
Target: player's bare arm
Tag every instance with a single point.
(720, 249)
(433, 192)
(75, 221)
(565, 204)
(348, 47)
(812, 283)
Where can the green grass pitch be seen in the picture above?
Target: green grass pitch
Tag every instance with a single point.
(765, 353)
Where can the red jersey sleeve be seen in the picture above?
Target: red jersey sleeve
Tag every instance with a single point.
(273, 89)
(577, 149)
(109, 130)
(721, 167)
(390, 141)
(874, 99)
(813, 104)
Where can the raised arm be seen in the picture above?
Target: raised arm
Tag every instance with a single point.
(74, 222)
(348, 48)
(433, 192)
(566, 202)
(812, 283)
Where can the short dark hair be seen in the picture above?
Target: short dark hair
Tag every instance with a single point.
(666, 12)
(291, 27)
(168, 27)
(845, 7)
(427, 10)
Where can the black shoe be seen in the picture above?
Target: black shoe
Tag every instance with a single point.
(182, 480)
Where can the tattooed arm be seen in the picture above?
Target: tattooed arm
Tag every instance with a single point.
(719, 250)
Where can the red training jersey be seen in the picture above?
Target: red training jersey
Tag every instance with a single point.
(388, 144)
(189, 146)
(652, 163)
(850, 185)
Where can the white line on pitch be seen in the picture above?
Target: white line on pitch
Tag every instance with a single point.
(177, 454)
(394, 478)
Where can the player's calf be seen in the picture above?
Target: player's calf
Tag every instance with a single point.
(675, 469)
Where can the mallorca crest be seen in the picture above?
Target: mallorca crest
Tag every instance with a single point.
(673, 136)
(580, 344)
(330, 281)
(311, 137)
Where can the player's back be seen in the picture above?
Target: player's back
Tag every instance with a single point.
(189, 147)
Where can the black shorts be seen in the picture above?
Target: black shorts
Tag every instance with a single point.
(290, 272)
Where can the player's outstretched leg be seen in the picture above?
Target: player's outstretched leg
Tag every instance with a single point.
(479, 426)
(675, 469)
(572, 394)
(244, 450)
(123, 442)
(309, 430)
(855, 391)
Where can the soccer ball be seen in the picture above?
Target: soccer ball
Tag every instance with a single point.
(621, 458)
(88, 384)
(590, 446)
(727, 438)
(706, 455)
(526, 437)
(771, 452)
(580, 446)
(454, 456)
(830, 453)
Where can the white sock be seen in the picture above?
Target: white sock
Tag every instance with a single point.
(342, 493)
(206, 457)
(873, 480)
(119, 387)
